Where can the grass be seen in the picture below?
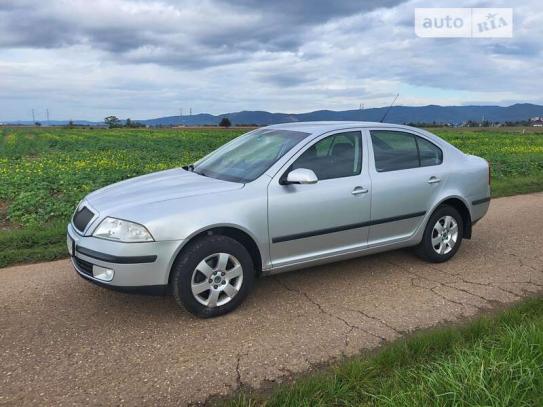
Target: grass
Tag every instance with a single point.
(44, 172)
(517, 185)
(32, 244)
(492, 361)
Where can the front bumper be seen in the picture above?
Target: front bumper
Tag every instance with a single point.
(139, 267)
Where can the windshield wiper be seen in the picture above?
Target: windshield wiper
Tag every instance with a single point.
(190, 167)
(203, 174)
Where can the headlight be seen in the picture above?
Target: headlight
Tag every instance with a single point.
(122, 231)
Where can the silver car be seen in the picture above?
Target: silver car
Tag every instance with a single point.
(278, 198)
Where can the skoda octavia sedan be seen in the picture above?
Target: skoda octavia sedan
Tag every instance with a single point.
(278, 198)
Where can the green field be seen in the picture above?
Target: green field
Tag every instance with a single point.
(493, 361)
(44, 172)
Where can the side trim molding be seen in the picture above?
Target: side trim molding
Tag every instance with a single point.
(303, 235)
(480, 201)
(115, 259)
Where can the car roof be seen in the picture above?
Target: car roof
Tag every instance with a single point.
(325, 126)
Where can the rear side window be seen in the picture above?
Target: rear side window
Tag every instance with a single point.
(398, 150)
(336, 156)
(394, 150)
(430, 154)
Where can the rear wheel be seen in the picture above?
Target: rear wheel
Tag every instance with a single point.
(212, 276)
(442, 236)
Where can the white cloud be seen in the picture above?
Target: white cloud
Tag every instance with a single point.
(143, 59)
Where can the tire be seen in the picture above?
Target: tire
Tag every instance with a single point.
(212, 276)
(437, 248)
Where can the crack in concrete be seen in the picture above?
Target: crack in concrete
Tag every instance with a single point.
(522, 264)
(468, 292)
(381, 321)
(493, 283)
(504, 289)
(286, 371)
(323, 311)
(521, 282)
(414, 277)
(411, 273)
(432, 289)
(239, 382)
(465, 281)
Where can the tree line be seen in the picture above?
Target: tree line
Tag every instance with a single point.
(114, 122)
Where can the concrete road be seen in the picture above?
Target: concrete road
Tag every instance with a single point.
(64, 341)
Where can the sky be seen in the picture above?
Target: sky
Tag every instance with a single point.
(142, 59)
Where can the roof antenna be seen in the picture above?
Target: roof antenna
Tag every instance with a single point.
(390, 107)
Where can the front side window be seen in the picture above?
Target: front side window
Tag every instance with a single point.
(398, 150)
(336, 156)
(248, 156)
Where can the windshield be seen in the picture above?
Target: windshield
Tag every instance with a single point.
(247, 157)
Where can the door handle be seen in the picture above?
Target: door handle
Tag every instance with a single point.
(359, 190)
(433, 180)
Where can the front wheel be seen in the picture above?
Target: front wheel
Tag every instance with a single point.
(212, 276)
(442, 236)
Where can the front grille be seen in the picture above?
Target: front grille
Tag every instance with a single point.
(82, 218)
(83, 266)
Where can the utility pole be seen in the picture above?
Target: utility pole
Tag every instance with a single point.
(33, 117)
(47, 112)
(181, 115)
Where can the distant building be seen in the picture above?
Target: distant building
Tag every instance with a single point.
(537, 123)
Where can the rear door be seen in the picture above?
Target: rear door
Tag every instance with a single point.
(406, 175)
(308, 222)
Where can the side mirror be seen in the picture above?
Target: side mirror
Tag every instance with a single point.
(301, 176)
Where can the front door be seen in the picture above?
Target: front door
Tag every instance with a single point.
(307, 222)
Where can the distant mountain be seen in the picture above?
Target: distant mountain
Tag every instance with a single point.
(193, 120)
(397, 114)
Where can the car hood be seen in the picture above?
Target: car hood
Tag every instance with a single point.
(156, 187)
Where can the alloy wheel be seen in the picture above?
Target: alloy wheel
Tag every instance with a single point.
(217, 279)
(444, 235)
